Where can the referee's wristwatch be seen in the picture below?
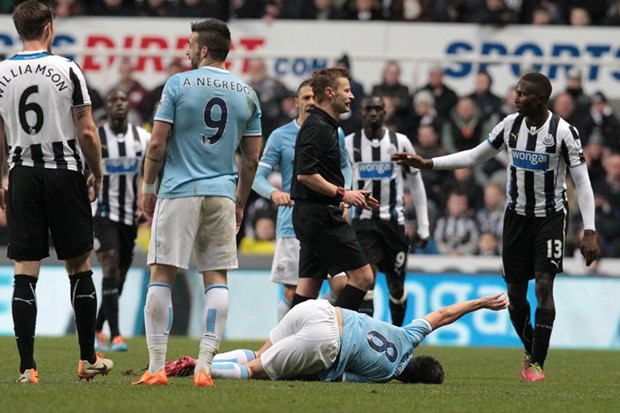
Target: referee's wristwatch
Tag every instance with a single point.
(340, 193)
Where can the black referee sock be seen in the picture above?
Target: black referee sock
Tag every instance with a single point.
(24, 309)
(542, 335)
(351, 297)
(523, 327)
(298, 299)
(84, 302)
(110, 304)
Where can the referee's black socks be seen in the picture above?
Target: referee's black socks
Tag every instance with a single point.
(351, 298)
(84, 302)
(24, 309)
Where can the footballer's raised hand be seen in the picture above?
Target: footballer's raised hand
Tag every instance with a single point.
(413, 160)
(495, 302)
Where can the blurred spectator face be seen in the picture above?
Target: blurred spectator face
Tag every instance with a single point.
(64, 8)
(466, 108)
(390, 108)
(391, 73)
(257, 71)
(612, 167)
(579, 17)
(493, 196)
(265, 229)
(463, 174)
(436, 77)
(423, 101)
(509, 100)
(457, 204)
(483, 82)
(322, 5)
(494, 5)
(487, 244)
(363, 5)
(541, 16)
(564, 105)
(427, 137)
(113, 3)
(155, 3)
(125, 72)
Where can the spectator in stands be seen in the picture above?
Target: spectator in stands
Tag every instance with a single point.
(362, 10)
(262, 240)
(423, 114)
(490, 217)
(508, 106)
(67, 8)
(272, 94)
(249, 9)
(135, 91)
(601, 121)
(464, 180)
(445, 97)
(464, 128)
(358, 91)
(488, 244)
(494, 12)
(541, 16)
(456, 232)
(112, 8)
(594, 153)
(488, 103)
(574, 87)
(219, 9)
(613, 14)
(428, 146)
(564, 106)
(156, 8)
(319, 10)
(609, 186)
(608, 220)
(391, 86)
(579, 17)
(152, 99)
(409, 10)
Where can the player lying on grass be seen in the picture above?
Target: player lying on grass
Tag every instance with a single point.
(318, 341)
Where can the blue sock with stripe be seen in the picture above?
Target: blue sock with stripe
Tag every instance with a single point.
(229, 370)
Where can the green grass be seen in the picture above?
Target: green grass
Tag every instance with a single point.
(477, 380)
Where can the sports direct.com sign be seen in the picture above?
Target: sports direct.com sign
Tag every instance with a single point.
(294, 49)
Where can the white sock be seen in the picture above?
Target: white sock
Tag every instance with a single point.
(213, 322)
(157, 323)
(283, 308)
(241, 356)
(330, 296)
(229, 370)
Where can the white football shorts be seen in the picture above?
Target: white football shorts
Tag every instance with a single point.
(306, 341)
(203, 225)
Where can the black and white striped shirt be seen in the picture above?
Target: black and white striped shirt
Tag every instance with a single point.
(538, 161)
(373, 170)
(121, 158)
(37, 93)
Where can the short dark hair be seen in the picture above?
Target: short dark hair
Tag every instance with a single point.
(540, 82)
(422, 369)
(303, 84)
(214, 34)
(324, 78)
(31, 17)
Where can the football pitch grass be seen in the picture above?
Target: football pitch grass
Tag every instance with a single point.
(477, 380)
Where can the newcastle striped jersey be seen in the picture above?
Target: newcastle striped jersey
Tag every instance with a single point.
(373, 170)
(37, 92)
(538, 160)
(121, 158)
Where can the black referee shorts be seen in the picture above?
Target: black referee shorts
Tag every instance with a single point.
(384, 243)
(532, 244)
(41, 202)
(328, 243)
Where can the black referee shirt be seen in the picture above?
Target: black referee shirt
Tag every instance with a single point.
(317, 151)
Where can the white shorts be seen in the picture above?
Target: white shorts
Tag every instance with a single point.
(305, 341)
(204, 225)
(285, 265)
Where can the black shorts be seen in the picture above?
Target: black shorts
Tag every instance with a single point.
(384, 243)
(111, 235)
(327, 241)
(43, 202)
(532, 244)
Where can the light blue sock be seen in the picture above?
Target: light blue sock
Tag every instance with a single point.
(229, 370)
(241, 356)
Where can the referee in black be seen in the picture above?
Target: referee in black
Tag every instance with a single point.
(328, 244)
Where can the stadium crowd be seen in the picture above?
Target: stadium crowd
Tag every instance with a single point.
(465, 206)
(495, 12)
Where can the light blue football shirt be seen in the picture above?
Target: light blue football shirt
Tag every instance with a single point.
(211, 110)
(373, 351)
(280, 152)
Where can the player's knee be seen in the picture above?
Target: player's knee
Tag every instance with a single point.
(544, 288)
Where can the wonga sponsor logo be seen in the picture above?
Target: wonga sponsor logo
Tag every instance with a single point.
(375, 170)
(532, 161)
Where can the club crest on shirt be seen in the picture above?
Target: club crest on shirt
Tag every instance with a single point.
(548, 140)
